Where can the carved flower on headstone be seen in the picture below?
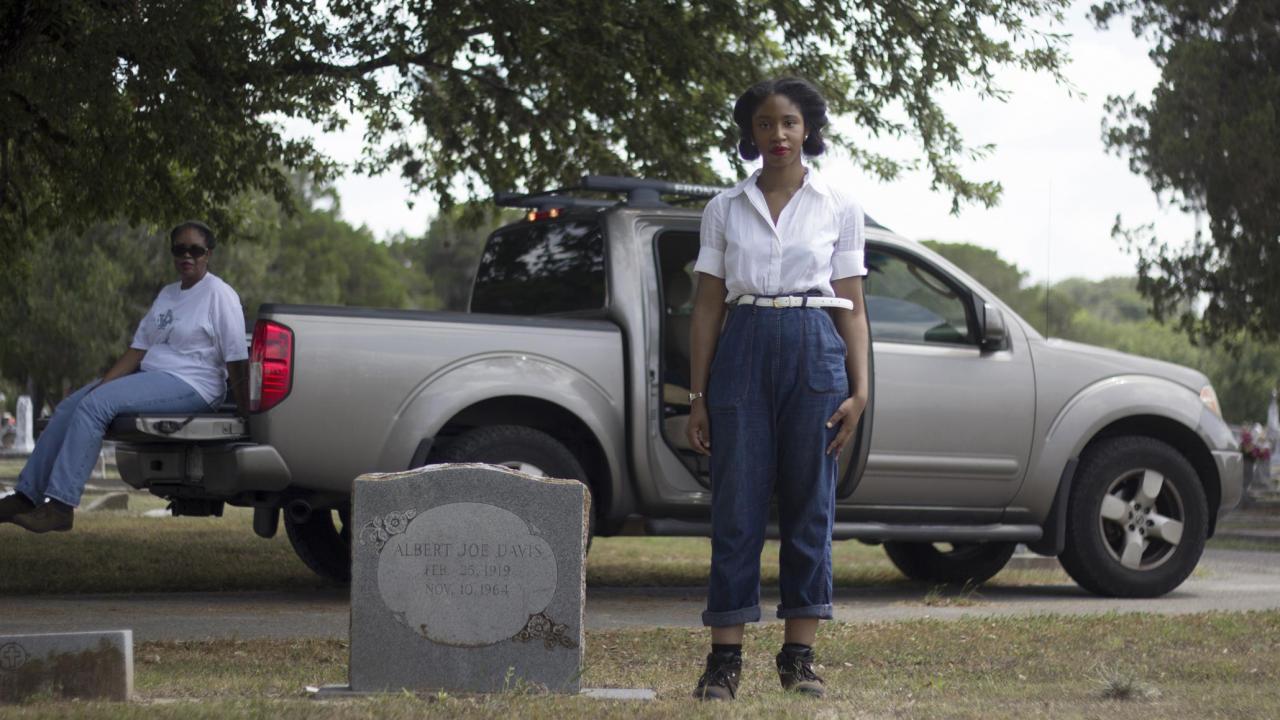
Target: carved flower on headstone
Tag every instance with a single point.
(539, 625)
(396, 522)
(369, 535)
(379, 530)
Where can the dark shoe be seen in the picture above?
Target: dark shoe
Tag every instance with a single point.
(795, 670)
(49, 517)
(15, 504)
(720, 680)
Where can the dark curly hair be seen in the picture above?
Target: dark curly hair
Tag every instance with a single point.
(209, 240)
(799, 91)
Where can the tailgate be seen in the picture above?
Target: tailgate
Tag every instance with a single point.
(178, 427)
(206, 456)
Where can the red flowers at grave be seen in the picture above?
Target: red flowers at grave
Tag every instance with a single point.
(1255, 448)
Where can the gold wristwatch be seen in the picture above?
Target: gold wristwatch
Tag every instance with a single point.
(694, 396)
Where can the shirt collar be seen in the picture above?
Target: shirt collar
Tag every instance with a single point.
(812, 178)
(742, 185)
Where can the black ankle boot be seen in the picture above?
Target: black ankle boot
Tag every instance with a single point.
(795, 670)
(720, 680)
(15, 504)
(51, 516)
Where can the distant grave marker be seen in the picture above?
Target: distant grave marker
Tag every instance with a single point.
(25, 441)
(84, 665)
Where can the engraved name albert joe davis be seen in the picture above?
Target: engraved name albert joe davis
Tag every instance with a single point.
(466, 574)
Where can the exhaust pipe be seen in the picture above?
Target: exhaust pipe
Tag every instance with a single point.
(299, 511)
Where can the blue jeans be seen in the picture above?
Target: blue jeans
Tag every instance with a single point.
(777, 376)
(68, 448)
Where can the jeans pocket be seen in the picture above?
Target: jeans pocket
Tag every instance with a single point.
(731, 366)
(825, 354)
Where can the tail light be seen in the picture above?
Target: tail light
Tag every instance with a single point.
(270, 365)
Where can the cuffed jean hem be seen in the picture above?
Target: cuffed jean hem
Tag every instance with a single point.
(821, 612)
(729, 618)
(51, 496)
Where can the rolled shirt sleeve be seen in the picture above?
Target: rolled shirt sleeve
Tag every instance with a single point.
(229, 325)
(141, 339)
(849, 260)
(712, 239)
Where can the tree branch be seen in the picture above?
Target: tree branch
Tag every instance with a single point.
(42, 122)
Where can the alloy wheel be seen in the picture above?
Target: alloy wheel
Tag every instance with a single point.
(1141, 519)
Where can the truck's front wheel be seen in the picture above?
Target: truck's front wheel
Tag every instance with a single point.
(1137, 519)
(323, 542)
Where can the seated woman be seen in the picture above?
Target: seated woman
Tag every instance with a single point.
(177, 363)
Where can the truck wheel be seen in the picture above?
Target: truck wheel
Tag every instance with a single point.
(521, 448)
(1137, 519)
(322, 545)
(962, 563)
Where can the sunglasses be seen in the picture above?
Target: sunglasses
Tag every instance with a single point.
(191, 251)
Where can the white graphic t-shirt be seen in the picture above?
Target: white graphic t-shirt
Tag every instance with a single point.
(192, 334)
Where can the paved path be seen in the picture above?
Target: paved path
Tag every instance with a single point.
(1231, 580)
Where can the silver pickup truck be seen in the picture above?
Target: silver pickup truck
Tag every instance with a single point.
(572, 361)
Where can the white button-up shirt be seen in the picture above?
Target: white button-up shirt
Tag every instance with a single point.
(819, 238)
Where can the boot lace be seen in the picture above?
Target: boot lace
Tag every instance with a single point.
(800, 668)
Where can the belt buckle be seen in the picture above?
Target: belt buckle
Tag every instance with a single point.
(779, 302)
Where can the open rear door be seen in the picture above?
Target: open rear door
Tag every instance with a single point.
(853, 460)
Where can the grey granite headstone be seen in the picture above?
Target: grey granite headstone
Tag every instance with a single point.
(86, 665)
(467, 578)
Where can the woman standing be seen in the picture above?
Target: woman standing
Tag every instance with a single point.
(775, 394)
(189, 340)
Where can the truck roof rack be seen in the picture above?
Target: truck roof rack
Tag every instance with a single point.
(640, 192)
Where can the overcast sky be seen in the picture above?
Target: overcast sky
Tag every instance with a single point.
(1062, 192)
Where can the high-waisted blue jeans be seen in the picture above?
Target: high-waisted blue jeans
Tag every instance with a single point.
(777, 376)
(68, 448)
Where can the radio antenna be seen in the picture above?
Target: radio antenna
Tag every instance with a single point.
(1048, 262)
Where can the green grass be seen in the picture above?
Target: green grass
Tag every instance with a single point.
(111, 552)
(125, 552)
(1237, 543)
(10, 467)
(1202, 666)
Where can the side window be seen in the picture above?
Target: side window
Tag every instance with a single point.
(908, 302)
(541, 268)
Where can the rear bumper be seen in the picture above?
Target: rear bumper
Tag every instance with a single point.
(221, 471)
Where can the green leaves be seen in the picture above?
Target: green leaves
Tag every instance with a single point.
(76, 300)
(1207, 140)
(155, 110)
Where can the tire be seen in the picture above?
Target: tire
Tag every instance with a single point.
(964, 563)
(521, 448)
(1137, 519)
(322, 545)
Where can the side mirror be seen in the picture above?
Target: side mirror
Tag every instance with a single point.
(995, 335)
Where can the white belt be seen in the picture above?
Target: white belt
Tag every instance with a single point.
(795, 301)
